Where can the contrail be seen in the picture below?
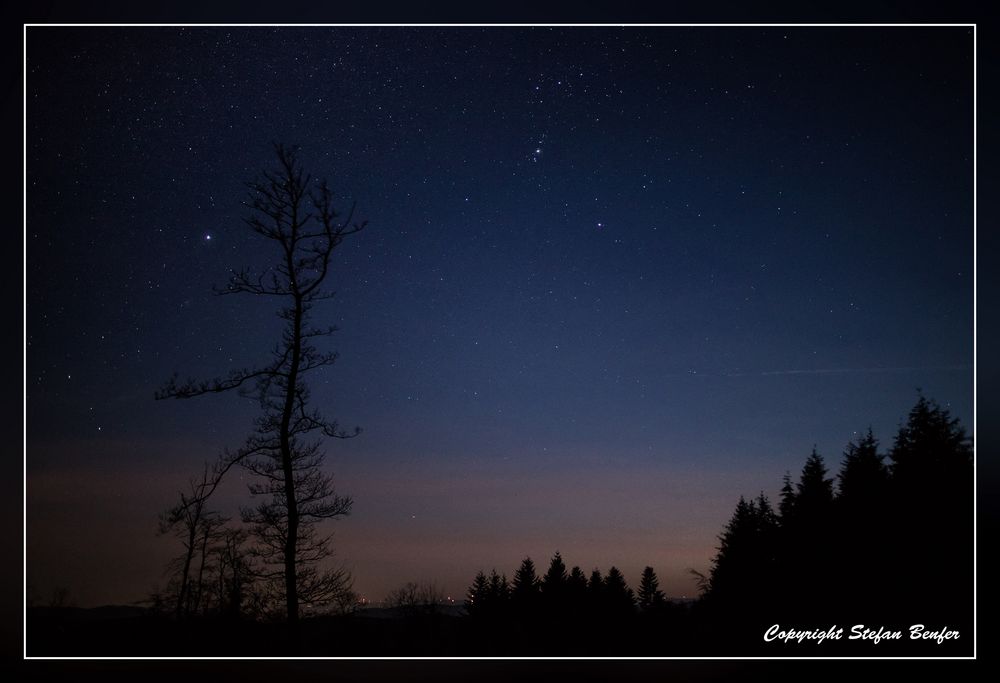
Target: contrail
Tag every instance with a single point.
(843, 371)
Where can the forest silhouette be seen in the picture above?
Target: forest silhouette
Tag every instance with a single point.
(886, 543)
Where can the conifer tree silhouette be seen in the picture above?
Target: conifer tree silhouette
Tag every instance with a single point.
(932, 540)
(525, 587)
(650, 596)
(476, 597)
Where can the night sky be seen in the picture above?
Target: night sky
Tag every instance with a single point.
(613, 279)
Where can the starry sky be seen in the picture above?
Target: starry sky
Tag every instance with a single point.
(613, 278)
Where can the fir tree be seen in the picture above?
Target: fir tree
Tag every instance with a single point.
(650, 595)
(477, 596)
(499, 590)
(576, 588)
(863, 475)
(618, 596)
(525, 586)
(555, 578)
(931, 449)
(595, 590)
(815, 489)
(577, 581)
(553, 586)
(787, 504)
(742, 569)
(932, 470)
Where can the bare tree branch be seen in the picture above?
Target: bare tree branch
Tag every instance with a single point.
(297, 216)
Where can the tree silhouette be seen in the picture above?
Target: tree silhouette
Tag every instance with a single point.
(525, 587)
(296, 217)
(595, 586)
(618, 597)
(743, 569)
(931, 449)
(499, 588)
(553, 585)
(195, 526)
(555, 578)
(814, 493)
(650, 596)
(931, 466)
(476, 597)
(864, 489)
(576, 585)
(234, 575)
(787, 505)
(862, 554)
(863, 477)
(809, 554)
(895, 540)
(416, 600)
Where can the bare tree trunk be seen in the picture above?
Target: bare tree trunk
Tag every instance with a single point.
(201, 568)
(291, 587)
(290, 469)
(182, 595)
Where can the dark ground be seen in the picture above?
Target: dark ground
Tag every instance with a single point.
(130, 631)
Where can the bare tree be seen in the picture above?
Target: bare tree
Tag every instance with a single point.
(206, 540)
(297, 217)
(233, 574)
(187, 520)
(412, 599)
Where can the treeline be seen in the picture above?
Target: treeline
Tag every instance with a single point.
(887, 541)
(560, 590)
(890, 539)
(564, 611)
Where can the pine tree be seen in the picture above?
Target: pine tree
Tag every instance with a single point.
(787, 504)
(767, 534)
(577, 581)
(729, 566)
(618, 596)
(553, 586)
(815, 489)
(809, 556)
(743, 567)
(932, 470)
(595, 590)
(861, 545)
(650, 595)
(576, 588)
(499, 590)
(596, 583)
(931, 449)
(477, 596)
(555, 578)
(863, 475)
(525, 586)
